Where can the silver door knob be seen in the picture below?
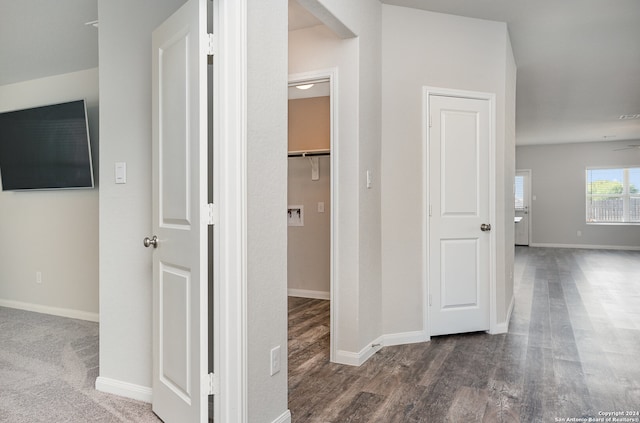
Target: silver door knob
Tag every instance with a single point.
(485, 227)
(148, 242)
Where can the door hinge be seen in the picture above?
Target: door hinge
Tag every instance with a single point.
(212, 214)
(430, 121)
(429, 300)
(430, 210)
(211, 45)
(213, 384)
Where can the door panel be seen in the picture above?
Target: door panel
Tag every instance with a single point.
(459, 251)
(459, 151)
(179, 199)
(174, 134)
(459, 283)
(174, 329)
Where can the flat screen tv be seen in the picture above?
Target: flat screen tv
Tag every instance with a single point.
(46, 148)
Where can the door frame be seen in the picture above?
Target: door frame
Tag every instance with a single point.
(427, 92)
(331, 75)
(231, 363)
(528, 195)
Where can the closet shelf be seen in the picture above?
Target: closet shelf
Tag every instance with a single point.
(310, 153)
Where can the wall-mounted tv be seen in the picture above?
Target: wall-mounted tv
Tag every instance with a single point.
(46, 148)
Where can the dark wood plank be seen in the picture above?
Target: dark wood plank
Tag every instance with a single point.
(571, 351)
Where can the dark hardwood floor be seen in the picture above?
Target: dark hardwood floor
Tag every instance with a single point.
(572, 351)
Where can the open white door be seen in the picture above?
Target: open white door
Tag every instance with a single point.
(180, 216)
(459, 214)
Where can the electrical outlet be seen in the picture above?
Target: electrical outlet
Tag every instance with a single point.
(38, 277)
(275, 360)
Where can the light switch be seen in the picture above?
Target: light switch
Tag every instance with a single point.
(121, 173)
(369, 183)
(320, 207)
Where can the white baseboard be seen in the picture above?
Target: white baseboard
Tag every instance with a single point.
(403, 338)
(357, 359)
(56, 311)
(307, 293)
(283, 418)
(124, 389)
(504, 326)
(586, 246)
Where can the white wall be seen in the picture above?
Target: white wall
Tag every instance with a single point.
(266, 205)
(558, 182)
(421, 48)
(318, 48)
(357, 213)
(309, 246)
(508, 240)
(125, 209)
(54, 232)
(363, 18)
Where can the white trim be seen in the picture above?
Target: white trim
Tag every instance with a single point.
(586, 246)
(283, 418)
(357, 359)
(332, 75)
(231, 339)
(403, 338)
(503, 327)
(124, 389)
(428, 91)
(493, 259)
(426, 322)
(307, 293)
(55, 311)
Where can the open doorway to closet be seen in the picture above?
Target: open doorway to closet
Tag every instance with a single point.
(309, 219)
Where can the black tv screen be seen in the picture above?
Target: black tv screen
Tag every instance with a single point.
(46, 148)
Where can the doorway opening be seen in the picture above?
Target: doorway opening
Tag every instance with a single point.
(310, 214)
(522, 189)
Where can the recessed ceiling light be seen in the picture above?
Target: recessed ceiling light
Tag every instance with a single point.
(304, 87)
(626, 117)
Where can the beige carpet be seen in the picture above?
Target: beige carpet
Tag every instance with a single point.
(48, 368)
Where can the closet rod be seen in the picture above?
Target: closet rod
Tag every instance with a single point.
(309, 153)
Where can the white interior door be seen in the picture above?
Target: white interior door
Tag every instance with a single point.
(459, 194)
(522, 190)
(179, 216)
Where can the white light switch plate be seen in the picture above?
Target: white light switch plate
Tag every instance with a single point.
(121, 173)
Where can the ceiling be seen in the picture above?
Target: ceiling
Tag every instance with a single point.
(578, 60)
(41, 38)
(578, 64)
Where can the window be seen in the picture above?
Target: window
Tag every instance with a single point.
(613, 195)
(519, 190)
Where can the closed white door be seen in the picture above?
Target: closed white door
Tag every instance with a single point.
(459, 222)
(522, 190)
(179, 200)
